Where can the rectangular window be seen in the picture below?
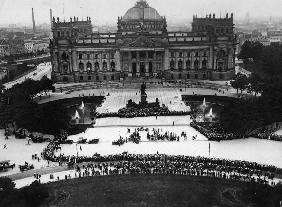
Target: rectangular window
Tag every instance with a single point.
(80, 56)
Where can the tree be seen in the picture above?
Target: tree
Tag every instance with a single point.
(240, 82)
(255, 84)
(251, 50)
(46, 84)
(35, 194)
(6, 184)
(2, 89)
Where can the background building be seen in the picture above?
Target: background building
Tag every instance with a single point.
(142, 47)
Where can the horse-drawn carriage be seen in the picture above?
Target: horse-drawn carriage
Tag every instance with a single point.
(118, 142)
(135, 138)
(4, 165)
(26, 167)
(66, 141)
(21, 133)
(81, 140)
(93, 141)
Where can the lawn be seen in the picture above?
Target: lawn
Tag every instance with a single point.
(160, 191)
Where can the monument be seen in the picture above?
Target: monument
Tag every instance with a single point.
(143, 95)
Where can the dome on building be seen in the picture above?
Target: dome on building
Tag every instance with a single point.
(141, 10)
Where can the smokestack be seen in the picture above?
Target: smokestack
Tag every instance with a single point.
(33, 21)
(51, 17)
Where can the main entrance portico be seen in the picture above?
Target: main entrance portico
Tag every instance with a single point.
(142, 62)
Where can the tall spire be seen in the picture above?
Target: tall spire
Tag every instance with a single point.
(33, 21)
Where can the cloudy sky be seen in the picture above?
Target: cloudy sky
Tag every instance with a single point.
(107, 11)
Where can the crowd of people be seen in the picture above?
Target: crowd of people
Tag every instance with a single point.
(167, 136)
(142, 112)
(265, 133)
(166, 164)
(213, 131)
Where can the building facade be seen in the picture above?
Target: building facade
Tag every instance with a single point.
(142, 47)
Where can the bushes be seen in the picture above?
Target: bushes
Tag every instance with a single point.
(33, 195)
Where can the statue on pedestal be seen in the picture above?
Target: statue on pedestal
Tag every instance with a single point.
(143, 94)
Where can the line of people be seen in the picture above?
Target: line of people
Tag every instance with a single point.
(176, 162)
(173, 165)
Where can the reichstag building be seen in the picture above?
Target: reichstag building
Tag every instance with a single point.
(142, 47)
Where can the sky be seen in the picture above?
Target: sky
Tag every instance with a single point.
(107, 11)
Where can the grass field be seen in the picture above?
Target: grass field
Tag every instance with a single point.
(160, 191)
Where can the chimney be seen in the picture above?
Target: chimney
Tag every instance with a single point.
(33, 21)
(51, 17)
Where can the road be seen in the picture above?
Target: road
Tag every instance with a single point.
(42, 70)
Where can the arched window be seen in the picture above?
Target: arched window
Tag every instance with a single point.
(179, 76)
(172, 64)
(221, 53)
(180, 64)
(105, 65)
(196, 64)
(188, 64)
(89, 66)
(97, 66)
(64, 56)
(220, 66)
(65, 68)
(204, 64)
(81, 66)
(113, 66)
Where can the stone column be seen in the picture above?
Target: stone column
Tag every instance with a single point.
(137, 63)
(108, 61)
(166, 60)
(154, 62)
(210, 63)
(146, 64)
(184, 62)
(117, 60)
(200, 62)
(230, 58)
(55, 63)
(192, 60)
(129, 64)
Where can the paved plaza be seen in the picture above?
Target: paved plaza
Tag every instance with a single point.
(110, 129)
